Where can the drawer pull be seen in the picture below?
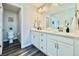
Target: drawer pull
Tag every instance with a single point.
(41, 39)
(41, 47)
(41, 34)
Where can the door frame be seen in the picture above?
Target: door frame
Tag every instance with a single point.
(21, 21)
(1, 11)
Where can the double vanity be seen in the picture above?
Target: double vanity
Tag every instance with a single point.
(54, 43)
(61, 36)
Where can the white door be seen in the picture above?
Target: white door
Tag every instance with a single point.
(51, 47)
(65, 49)
(10, 20)
(1, 11)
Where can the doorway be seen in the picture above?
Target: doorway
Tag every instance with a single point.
(11, 19)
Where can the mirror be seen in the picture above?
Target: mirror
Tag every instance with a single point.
(54, 22)
(62, 18)
(78, 17)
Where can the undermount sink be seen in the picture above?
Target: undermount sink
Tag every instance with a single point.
(54, 30)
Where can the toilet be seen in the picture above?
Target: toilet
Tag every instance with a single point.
(11, 35)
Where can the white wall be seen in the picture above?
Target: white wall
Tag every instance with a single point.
(28, 13)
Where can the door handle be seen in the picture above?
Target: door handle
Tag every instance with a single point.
(41, 47)
(55, 45)
(0, 45)
(0, 7)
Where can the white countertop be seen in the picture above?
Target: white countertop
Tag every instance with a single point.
(74, 34)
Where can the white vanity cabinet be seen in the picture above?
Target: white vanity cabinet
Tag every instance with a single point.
(36, 39)
(64, 49)
(39, 40)
(56, 46)
(51, 47)
(76, 47)
(43, 42)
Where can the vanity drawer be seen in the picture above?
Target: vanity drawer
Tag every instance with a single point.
(60, 38)
(43, 35)
(43, 47)
(52, 37)
(43, 42)
(65, 40)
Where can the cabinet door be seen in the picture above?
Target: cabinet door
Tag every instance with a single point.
(43, 42)
(36, 39)
(76, 47)
(64, 49)
(51, 47)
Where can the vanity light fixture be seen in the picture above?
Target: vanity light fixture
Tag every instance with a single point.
(46, 6)
(42, 8)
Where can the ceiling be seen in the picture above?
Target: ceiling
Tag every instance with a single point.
(37, 5)
(10, 7)
(52, 8)
(42, 7)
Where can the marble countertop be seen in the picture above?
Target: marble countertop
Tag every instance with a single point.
(74, 34)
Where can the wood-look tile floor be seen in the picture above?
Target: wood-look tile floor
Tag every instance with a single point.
(17, 51)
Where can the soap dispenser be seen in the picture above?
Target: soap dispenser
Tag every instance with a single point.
(67, 29)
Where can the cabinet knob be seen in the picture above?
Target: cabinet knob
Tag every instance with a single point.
(41, 34)
(41, 39)
(33, 36)
(41, 47)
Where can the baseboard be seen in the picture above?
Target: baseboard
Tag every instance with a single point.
(26, 45)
